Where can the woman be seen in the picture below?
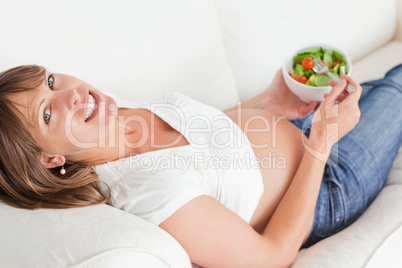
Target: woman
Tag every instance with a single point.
(237, 212)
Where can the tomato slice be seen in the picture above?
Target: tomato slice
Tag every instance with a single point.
(307, 64)
(335, 63)
(301, 79)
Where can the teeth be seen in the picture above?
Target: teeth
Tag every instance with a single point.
(91, 107)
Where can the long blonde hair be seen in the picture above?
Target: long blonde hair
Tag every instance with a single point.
(24, 181)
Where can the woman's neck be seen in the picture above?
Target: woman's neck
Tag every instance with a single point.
(126, 136)
(136, 131)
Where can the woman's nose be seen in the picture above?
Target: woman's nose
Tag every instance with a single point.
(70, 97)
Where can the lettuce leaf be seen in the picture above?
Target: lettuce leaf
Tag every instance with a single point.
(312, 50)
(328, 58)
(338, 56)
(300, 57)
(299, 70)
(311, 80)
(322, 80)
(336, 68)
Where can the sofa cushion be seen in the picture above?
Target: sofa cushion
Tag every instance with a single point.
(395, 176)
(365, 241)
(378, 62)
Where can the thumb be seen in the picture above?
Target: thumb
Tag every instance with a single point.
(336, 91)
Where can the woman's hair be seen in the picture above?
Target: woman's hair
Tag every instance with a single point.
(24, 181)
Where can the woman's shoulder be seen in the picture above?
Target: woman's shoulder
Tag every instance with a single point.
(148, 191)
(173, 98)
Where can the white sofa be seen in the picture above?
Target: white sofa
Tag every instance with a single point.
(218, 52)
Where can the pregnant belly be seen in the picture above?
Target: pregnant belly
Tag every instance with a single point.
(278, 145)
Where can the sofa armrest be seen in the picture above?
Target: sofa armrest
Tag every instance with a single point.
(124, 258)
(94, 236)
(398, 31)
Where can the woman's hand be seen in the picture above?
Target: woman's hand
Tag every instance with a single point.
(279, 99)
(338, 114)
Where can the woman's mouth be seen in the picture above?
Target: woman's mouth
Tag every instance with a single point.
(91, 107)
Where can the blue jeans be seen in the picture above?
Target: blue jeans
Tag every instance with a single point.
(360, 162)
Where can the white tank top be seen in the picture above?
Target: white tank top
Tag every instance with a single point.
(218, 162)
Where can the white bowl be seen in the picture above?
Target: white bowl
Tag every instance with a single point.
(305, 92)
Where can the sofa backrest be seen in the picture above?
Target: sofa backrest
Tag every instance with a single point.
(212, 50)
(398, 33)
(134, 49)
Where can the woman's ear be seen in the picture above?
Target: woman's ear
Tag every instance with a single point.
(52, 161)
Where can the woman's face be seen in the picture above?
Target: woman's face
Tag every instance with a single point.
(67, 116)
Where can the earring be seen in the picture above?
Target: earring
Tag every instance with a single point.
(62, 170)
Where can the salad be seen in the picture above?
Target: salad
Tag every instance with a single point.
(302, 70)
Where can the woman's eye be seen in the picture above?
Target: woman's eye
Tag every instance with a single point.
(46, 115)
(50, 81)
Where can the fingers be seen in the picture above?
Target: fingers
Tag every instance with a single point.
(336, 91)
(343, 95)
(355, 95)
(332, 83)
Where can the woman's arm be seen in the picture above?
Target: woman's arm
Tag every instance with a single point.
(337, 115)
(278, 98)
(213, 236)
(255, 102)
